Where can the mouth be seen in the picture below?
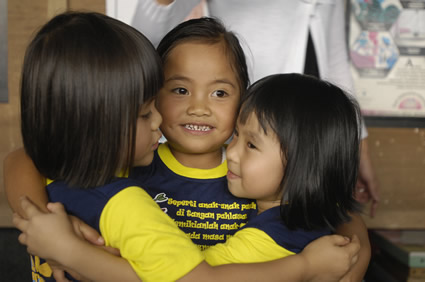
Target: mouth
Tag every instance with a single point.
(197, 127)
(155, 146)
(231, 175)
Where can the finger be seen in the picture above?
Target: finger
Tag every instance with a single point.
(355, 244)
(57, 208)
(354, 259)
(59, 275)
(113, 251)
(74, 274)
(22, 238)
(28, 206)
(374, 192)
(90, 234)
(339, 240)
(19, 222)
(373, 208)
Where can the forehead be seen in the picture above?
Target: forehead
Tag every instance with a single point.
(198, 57)
(252, 126)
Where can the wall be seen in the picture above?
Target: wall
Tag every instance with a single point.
(398, 154)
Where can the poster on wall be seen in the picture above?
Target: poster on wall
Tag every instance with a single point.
(387, 51)
(3, 51)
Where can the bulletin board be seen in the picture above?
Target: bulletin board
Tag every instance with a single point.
(387, 52)
(3, 52)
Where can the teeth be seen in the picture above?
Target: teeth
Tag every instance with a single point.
(197, 127)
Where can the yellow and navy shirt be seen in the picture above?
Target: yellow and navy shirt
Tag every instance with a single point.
(264, 238)
(197, 199)
(128, 219)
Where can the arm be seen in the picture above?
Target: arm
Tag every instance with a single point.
(313, 262)
(155, 18)
(356, 226)
(68, 247)
(339, 72)
(21, 177)
(367, 187)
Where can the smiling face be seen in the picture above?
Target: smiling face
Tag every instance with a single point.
(147, 134)
(199, 101)
(255, 164)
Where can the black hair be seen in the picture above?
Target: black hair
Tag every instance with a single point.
(85, 76)
(210, 31)
(318, 127)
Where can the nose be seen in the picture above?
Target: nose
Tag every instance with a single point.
(199, 106)
(156, 119)
(232, 150)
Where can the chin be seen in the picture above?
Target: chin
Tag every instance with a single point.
(235, 192)
(145, 161)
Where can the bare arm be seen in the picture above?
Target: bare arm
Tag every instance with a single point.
(357, 226)
(367, 185)
(85, 259)
(326, 259)
(21, 178)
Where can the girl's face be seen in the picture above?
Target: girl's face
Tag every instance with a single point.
(147, 134)
(255, 162)
(199, 99)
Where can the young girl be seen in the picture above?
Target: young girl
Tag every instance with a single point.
(87, 114)
(199, 102)
(295, 150)
(205, 77)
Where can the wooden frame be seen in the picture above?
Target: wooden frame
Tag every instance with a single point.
(4, 97)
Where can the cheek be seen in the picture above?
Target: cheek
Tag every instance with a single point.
(167, 109)
(228, 114)
(263, 179)
(163, 103)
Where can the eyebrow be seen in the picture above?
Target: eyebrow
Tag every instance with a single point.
(254, 135)
(177, 77)
(224, 81)
(184, 78)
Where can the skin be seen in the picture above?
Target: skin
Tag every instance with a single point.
(367, 189)
(198, 103)
(147, 134)
(251, 156)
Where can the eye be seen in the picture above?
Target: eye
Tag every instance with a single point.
(180, 91)
(251, 146)
(220, 93)
(147, 115)
(235, 133)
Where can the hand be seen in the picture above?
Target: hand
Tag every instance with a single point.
(367, 188)
(59, 271)
(85, 231)
(47, 235)
(329, 258)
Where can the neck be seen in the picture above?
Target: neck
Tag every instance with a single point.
(263, 205)
(203, 161)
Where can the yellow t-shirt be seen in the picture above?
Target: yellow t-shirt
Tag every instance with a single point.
(248, 245)
(151, 242)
